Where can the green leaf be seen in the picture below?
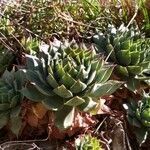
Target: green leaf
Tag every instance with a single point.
(20, 79)
(39, 82)
(134, 70)
(53, 103)
(114, 86)
(99, 90)
(111, 52)
(135, 58)
(4, 107)
(105, 74)
(15, 112)
(82, 74)
(51, 80)
(67, 66)
(16, 124)
(124, 57)
(145, 64)
(63, 92)
(32, 93)
(88, 105)
(91, 77)
(95, 65)
(64, 117)
(125, 45)
(8, 76)
(60, 70)
(132, 84)
(78, 87)
(133, 48)
(121, 71)
(15, 100)
(75, 101)
(3, 119)
(107, 88)
(67, 80)
(142, 55)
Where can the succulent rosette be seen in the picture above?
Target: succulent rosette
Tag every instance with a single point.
(143, 111)
(138, 115)
(66, 78)
(10, 100)
(127, 48)
(88, 143)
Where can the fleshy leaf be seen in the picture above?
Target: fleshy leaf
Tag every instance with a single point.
(122, 71)
(115, 85)
(65, 117)
(78, 87)
(67, 80)
(75, 101)
(132, 84)
(63, 92)
(91, 77)
(134, 70)
(51, 80)
(16, 124)
(4, 106)
(53, 103)
(32, 93)
(3, 120)
(111, 52)
(38, 81)
(124, 57)
(107, 88)
(135, 58)
(88, 105)
(106, 75)
(14, 100)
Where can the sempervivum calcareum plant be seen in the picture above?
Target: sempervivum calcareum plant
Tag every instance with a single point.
(138, 115)
(88, 143)
(127, 48)
(10, 100)
(66, 79)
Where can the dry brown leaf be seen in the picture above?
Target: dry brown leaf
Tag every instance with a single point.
(39, 110)
(32, 119)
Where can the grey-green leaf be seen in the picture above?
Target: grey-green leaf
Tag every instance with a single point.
(65, 117)
(16, 124)
(63, 92)
(78, 87)
(124, 57)
(32, 93)
(88, 105)
(107, 88)
(3, 120)
(75, 101)
(53, 103)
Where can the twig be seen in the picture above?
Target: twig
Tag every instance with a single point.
(73, 21)
(18, 41)
(135, 14)
(100, 125)
(6, 45)
(21, 142)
